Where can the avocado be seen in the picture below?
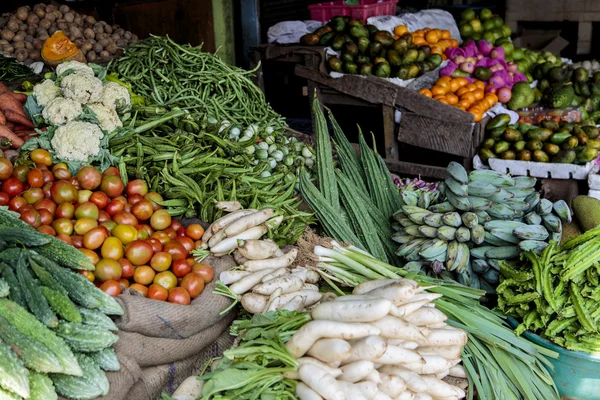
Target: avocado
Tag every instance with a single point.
(570, 143)
(350, 67)
(551, 149)
(586, 154)
(565, 156)
(400, 45)
(402, 72)
(499, 121)
(410, 56)
(383, 38)
(580, 75)
(488, 143)
(351, 48)
(594, 144)
(501, 147)
(520, 145)
(337, 24)
(497, 133)
(482, 73)
(508, 155)
(382, 69)
(375, 48)
(524, 155)
(413, 70)
(338, 41)
(511, 135)
(486, 154)
(540, 156)
(335, 64)
(310, 39)
(559, 137)
(579, 133)
(559, 98)
(522, 96)
(549, 124)
(358, 32)
(366, 69)
(534, 145)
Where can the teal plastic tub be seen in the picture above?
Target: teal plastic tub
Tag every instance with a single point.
(576, 374)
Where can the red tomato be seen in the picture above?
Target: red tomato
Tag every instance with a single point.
(33, 195)
(176, 225)
(122, 199)
(46, 216)
(112, 185)
(48, 176)
(154, 197)
(89, 177)
(127, 268)
(124, 282)
(13, 187)
(91, 255)
(35, 178)
(111, 287)
(41, 156)
(161, 261)
(65, 210)
(144, 231)
(89, 275)
(63, 226)
(127, 208)
(143, 290)
(113, 206)
(100, 199)
(157, 292)
(47, 230)
(166, 279)
(46, 204)
(109, 225)
(63, 192)
(125, 218)
(46, 188)
(83, 196)
(31, 217)
(179, 295)
(134, 198)
(84, 225)
(161, 220)
(186, 242)
(106, 230)
(205, 271)
(16, 203)
(94, 238)
(111, 171)
(87, 210)
(194, 231)
(65, 238)
(142, 210)
(112, 248)
(103, 216)
(176, 249)
(156, 244)
(137, 186)
(6, 168)
(77, 241)
(107, 269)
(139, 252)
(161, 237)
(180, 232)
(4, 199)
(21, 172)
(181, 268)
(61, 174)
(197, 244)
(74, 182)
(144, 275)
(193, 284)
(41, 167)
(125, 233)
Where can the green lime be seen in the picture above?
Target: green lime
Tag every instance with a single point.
(467, 14)
(498, 33)
(476, 36)
(476, 24)
(518, 54)
(466, 30)
(485, 13)
(489, 37)
(498, 21)
(506, 31)
(488, 25)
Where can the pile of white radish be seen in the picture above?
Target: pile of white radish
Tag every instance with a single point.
(385, 341)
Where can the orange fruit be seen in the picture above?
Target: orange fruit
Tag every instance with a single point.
(438, 90)
(396, 37)
(400, 30)
(419, 32)
(431, 37)
(454, 86)
(445, 79)
(480, 84)
(461, 90)
(462, 81)
(437, 50)
(477, 116)
(443, 100)
(446, 34)
(493, 97)
(453, 43)
(478, 94)
(452, 98)
(464, 103)
(471, 87)
(426, 92)
(419, 41)
(439, 96)
(460, 107)
(470, 97)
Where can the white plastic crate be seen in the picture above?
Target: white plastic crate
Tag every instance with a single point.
(536, 169)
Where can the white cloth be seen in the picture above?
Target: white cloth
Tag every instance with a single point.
(291, 31)
(439, 19)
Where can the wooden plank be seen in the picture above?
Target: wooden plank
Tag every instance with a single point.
(408, 168)
(255, 61)
(389, 139)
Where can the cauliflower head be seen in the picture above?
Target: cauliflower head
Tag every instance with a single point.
(108, 118)
(77, 141)
(45, 92)
(115, 96)
(59, 111)
(82, 88)
(79, 68)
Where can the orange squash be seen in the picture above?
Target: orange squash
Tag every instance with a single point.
(59, 48)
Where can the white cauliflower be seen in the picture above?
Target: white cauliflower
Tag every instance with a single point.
(77, 141)
(108, 118)
(82, 88)
(79, 68)
(45, 92)
(115, 96)
(60, 111)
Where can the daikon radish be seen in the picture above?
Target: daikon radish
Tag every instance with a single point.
(295, 304)
(232, 276)
(310, 296)
(273, 302)
(257, 249)
(279, 262)
(374, 375)
(353, 392)
(408, 395)
(368, 388)
(448, 352)
(305, 393)
(359, 297)
(381, 396)
(395, 328)
(306, 336)
(397, 355)
(408, 308)
(216, 238)
(398, 292)
(441, 325)
(443, 338)
(230, 243)
(437, 388)
(352, 311)
(238, 258)
(224, 221)
(247, 222)
(423, 396)
(190, 389)
(392, 385)
(334, 364)
(335, 372)
(272, 224)
(228, 206)
(275, 274)
(413, 381)
(443, 374)
(321, 382)
(312, 277)
(356, 371)
(329, 296)
(301, 273)
(425, 316)
(278, 253)
(254, 303)
(310, 286)
(286, 283)
(248, 282)
(330, 350)
(368, 286)
(368, 348)
(410, 345)
(431, 365)
(426, 296)
(458, 371)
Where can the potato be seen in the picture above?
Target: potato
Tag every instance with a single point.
(28, 61)
(104, 42)
(19, 37)
(134, 38)
(69, 16)
(115, 36)
(98, 48)
(13, 26)
(52, 30)
(127, 35)
(50, 8)
(41, 32)
(63, 26)
(45, 23)
(91, 56)
(39, 6)
(98, 29)
(33, 19)
(50, 16)
(40, 12)
(3, 22)
(87, 46)
(71, 37)
(28, 38)
(90, 19)
(21, 55)
(7, 35)
(108, 29)
(58, 14)
(78, 20)
(79, 42)
(22, 13)
(19, 45)
(35, 55)
(29, 45)
(3, 42)
(64, 8)
(76, 31)
(111, 48)
(102, 36)
(89, 33)
(8, 49)
(38, 44)
(122, 43)
(104, 54)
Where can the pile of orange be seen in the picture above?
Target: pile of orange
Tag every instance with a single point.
(458, 92)
(438, 40)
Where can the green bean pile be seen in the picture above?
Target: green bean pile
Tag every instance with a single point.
(173, 75)
(10, 69)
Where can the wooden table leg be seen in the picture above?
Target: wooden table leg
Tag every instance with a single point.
(389, 133)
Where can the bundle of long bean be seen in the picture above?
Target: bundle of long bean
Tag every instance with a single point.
(11, 69)
(169, 74)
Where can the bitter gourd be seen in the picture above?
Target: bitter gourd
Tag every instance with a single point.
(4, 288)
(36, 302)
(107, 359)
(15, 293)
(6, 395)
(85, 338)
(96, 318)
(41, 387)
(13, 375)
(92, 384)
(61, 304)
(26, 237)
(47, 279)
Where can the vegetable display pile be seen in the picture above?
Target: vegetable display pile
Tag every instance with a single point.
(556, 293)
(486, 217)
(53, 319)
(15, 126)
(10, 69)
(24, 34)
(550, 141)
(486, 26)
(173, 75)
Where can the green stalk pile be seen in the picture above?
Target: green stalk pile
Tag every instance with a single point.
(556, 294)
(172, 75)
(54, 320)
(11, 69)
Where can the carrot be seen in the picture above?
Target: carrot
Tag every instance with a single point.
(3, 88)
(9, 125)
(2, 119)
(8, 102)
(7, 133)
(18, 119)
(20, 96)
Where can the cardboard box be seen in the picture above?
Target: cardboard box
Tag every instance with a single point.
(541, 40)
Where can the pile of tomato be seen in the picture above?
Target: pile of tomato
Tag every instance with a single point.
(122, 229)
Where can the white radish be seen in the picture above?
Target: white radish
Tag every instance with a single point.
(395, 328)
(392, 385)
(426, 316)
(423, 396)
(257, 249)
(368, 286)
(230, 243)
(254, 303)
(443, 374)
(232, 276)
(305, 393)
(224, 221)
(334, 364)
(329, 296)
(408, 395)
(330, 350)
(312, 277)
(278, 262)
(359, 297)
(273, 302)
(398, 355)
(397, 292)
(431, 365)
(352, 311)
(458, 371)
(295, 304)
(228, 206)
(275, 274)
(247, 222)
(426, 296)
(374, 376)
(274, 223)
(278, 253)
(238, 258)
(356, 371)
(353, 392)
(444, 337)
(302, 274)
(310, 286)
(448, 352)
(441, 325)
(286, 283)
(368, 348)
(413, 381)
(190, 389)
(381, 396)
(408, 308)
(248, 282)
(310, 296)
(306, 336)
(404, 344)
(321, 382)
(368, 388)
(437, 388)
(335, 372)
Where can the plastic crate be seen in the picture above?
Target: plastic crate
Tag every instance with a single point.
(366, 9)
